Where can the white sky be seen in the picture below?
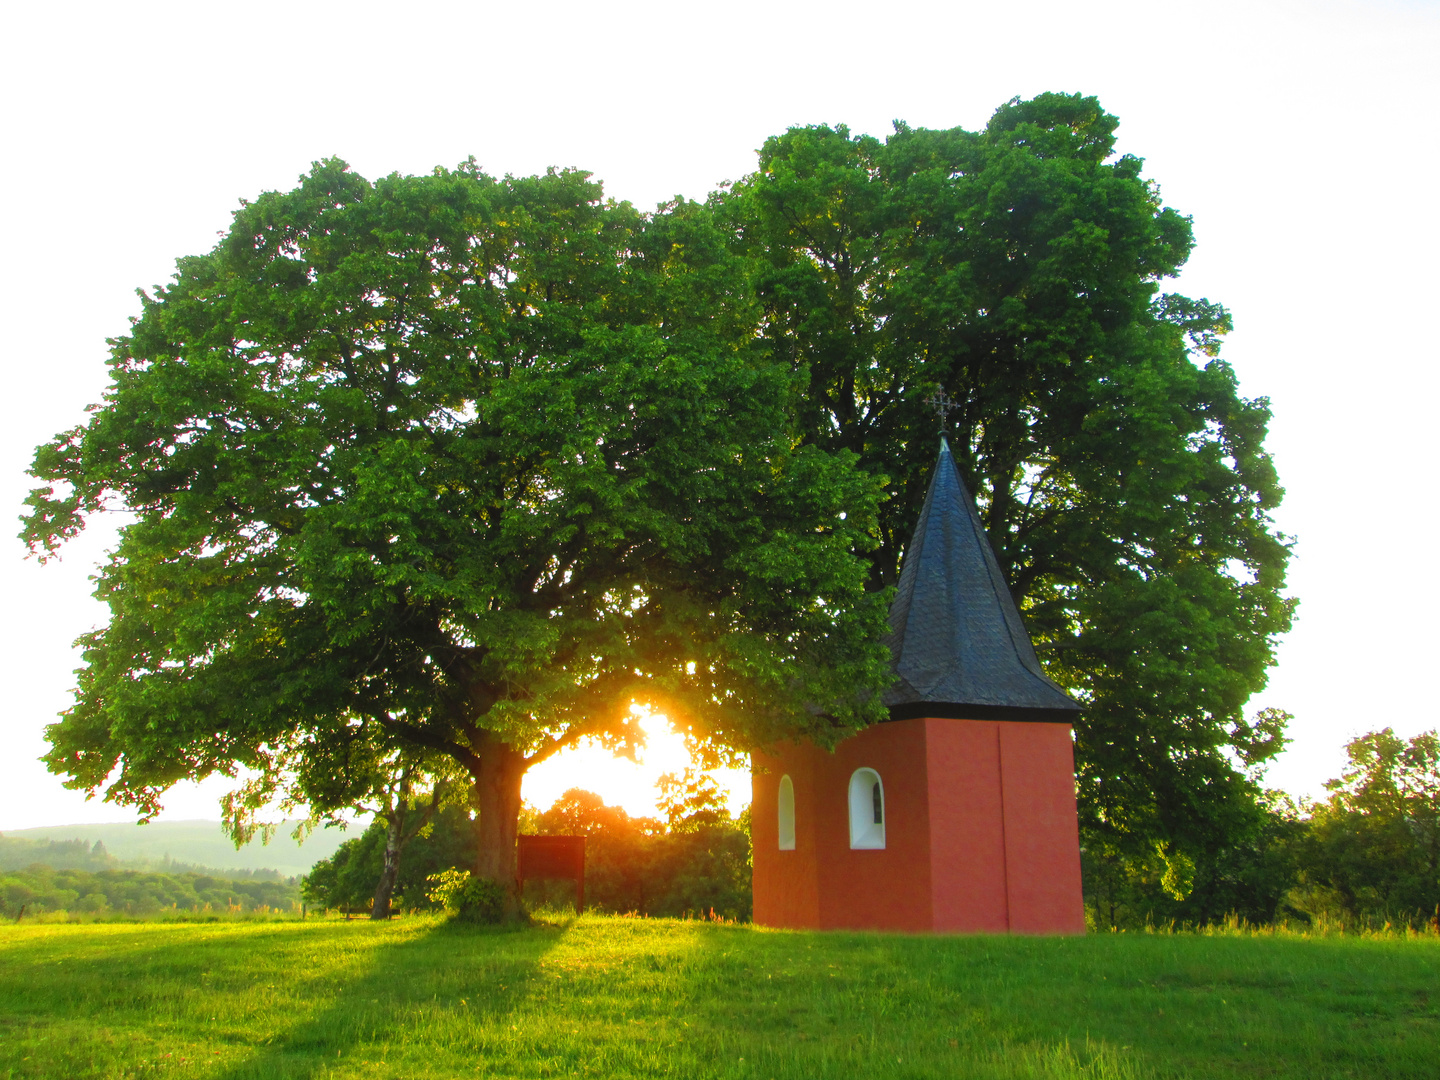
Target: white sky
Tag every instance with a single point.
(1300, 136)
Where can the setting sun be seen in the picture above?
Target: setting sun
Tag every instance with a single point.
(625, 783)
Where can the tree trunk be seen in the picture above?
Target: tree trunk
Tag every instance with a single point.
(496, 798)
(398, 802)
(394, 841)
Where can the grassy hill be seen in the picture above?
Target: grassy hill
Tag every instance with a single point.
(615, 997)
(194, 843)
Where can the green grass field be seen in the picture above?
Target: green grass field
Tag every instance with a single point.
(616, 997)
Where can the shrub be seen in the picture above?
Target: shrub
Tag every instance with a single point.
(468, 898)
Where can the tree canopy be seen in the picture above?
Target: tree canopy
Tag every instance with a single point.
(473, 463)
(1121, 477)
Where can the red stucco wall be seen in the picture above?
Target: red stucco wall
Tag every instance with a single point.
(967, 829)
(786, 885)
(980, 831)
(1042, 840)
(885, 889)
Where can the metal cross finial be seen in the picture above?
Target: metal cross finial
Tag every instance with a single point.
(942, 404)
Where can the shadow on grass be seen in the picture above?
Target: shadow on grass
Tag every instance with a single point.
(632, 997)
(442, 986)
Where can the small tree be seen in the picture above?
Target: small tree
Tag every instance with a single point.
(348, 879)
(695, 860)
(1376, 840)
(356, 766)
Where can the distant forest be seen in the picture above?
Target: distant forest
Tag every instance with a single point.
(161, 844)
(43, 876)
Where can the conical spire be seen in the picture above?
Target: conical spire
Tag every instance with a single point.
(957, 644)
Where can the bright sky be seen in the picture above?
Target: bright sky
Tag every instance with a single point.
(1300, 136)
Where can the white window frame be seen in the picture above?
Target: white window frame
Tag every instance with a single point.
(785, 813)
(866, 834)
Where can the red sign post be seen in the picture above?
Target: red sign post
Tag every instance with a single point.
(553, 857)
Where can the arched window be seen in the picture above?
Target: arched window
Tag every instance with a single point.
(787, 814)
(867, 810)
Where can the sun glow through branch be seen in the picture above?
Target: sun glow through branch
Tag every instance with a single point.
(624, 783)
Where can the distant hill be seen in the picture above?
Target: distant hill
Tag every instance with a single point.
(16, 854)
(196, 843)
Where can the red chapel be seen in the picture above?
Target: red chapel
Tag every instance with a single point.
(958, 813)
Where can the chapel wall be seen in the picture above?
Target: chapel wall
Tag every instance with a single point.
(1042, 836)
(786, 883)
(885, 889)
(967, 826)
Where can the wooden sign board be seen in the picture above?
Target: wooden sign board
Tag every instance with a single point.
(553, 857)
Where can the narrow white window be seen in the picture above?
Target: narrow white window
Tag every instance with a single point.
(867, 810)
(787, 814)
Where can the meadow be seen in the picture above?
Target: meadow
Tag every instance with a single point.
(605, 996)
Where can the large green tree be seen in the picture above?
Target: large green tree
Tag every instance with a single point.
(1122, 479)
(474, 462)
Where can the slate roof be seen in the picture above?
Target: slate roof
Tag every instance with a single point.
(957, 644)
